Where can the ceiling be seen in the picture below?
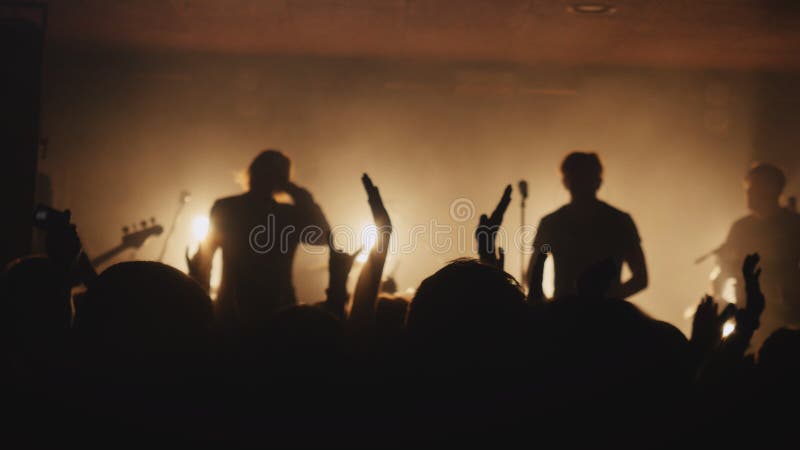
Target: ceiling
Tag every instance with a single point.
(726, 34)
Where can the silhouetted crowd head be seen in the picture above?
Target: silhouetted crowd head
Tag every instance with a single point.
(139, 353)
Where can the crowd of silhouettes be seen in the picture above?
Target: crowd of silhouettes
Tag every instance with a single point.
(139, 354)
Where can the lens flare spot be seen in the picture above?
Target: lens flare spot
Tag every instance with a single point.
(728, 328)
(369, 235)
(200, 227)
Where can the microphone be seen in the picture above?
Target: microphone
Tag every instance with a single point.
(523, 188)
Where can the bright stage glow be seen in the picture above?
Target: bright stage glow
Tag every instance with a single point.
(728, 328)
(200, 226)
(729, 291)
(369, 235)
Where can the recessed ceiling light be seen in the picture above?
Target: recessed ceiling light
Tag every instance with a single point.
(591, 8)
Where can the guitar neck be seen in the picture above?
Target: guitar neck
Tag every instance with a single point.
(105, 256)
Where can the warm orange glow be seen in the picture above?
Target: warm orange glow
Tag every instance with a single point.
(200, 227)
(369, 234)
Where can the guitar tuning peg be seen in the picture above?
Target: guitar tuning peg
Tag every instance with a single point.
(133, 227)
(125, 230)
(143, 224)
(152, 221)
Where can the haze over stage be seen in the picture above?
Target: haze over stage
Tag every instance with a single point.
(147, 121)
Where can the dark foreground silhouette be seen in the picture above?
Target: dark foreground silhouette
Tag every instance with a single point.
(143, 356)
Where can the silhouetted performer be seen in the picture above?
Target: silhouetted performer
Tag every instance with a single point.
(258, 237)
(584, 233)
(773, 232)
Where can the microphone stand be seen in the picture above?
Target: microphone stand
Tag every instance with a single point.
(522, 228)
(184, 198)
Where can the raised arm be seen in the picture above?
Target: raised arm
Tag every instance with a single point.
(747, 318)
(362, 315)
(486, 233)
(730, 352)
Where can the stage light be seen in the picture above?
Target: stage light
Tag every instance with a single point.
(714, 273)
(200, 226)
(728, 328)
(369, 234)
(591, 8)
(729, 291)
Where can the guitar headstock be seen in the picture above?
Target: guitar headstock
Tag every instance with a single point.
(134, 237)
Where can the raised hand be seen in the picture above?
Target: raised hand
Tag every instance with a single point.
(362, 315)
(708, 322)
(486, 233)
(195, 265)
(379, 214)
(755, 301)
(730, 352)
(750, 269)
(339, 265)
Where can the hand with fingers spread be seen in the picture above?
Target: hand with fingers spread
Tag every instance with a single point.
(486, 233)
(729, 354)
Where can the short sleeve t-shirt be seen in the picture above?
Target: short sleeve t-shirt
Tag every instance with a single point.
(579, 236)
(777, 241)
